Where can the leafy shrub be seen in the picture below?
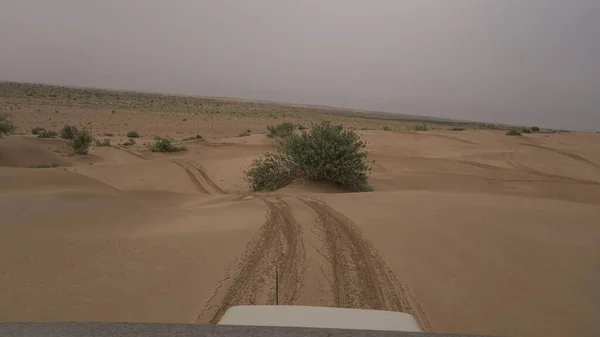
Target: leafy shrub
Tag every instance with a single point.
(129, 142)
(47, 134)
(45, 165)
(6, 126)
(525, 130)
(69, 132)
(535, 129)
(326, 153)
(165, 145)
(133, 134)
(37, 130)
(105, 142)
(81, 143)
(386, 128)
(513, 132)
(282, 130)
(301, 127)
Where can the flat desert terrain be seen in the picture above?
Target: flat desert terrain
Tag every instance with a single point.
(470, 231)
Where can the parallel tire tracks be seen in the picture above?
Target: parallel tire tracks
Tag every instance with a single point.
(361, 278)
(565, 153)
(137, 154)
(519, 166)
(199, 177)
(279, 242)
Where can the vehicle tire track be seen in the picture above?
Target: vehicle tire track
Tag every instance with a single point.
(519, 166)
(193, 177)
(565, 153)
(204, 174)
(139, 155)
(361, 278)
(279, 242)
(199, 177)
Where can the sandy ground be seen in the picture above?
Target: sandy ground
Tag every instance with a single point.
(471, 232)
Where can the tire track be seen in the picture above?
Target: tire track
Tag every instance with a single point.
(565, 153)
(279, 242)
(361, 278)
(137, 154)
(199, 177)
(519, 166)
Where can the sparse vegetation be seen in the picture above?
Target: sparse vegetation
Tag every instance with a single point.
(37, 130)
(326, 153)
(245, 133)
(6, 126)
(105, 142)
(45, 165)
(386, 128)
(457, 128)
(69, 132)
(535, 129)
(282, 130)
(301, 127)
(418, 127)
(525, 130)
(81, 143)
(129, 142)
(133, 134)
(513, 132)
(47, 134)
(165, 145)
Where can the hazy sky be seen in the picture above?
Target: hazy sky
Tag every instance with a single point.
(515, 61)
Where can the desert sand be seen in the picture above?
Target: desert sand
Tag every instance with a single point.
(470, 231)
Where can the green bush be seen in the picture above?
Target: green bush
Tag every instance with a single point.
(513, 132)
(47, 134)
(326, 153)
(6, 126)
(301, 127)
(69, 132)
(129, 142)
(45, 165)
(105, 142)
(535, 129)
(133, 134)
(282, 130)
(165, 145)
(37, 130)
(81, 143)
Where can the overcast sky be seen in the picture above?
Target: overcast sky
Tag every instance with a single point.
(514, 61)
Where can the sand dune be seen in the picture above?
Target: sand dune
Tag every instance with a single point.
(471, 232)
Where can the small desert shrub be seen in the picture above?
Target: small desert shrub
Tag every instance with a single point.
(45, 165)
(245, 133)
(513, 132)
(69, 132)
(105, 142)
(326, 153)
(282, 130)
(386, 128)
(457, 128)
(133, 134)
(535, 129)
(37, 130)
(81, 143)
(165, 145)
(47, 134)
(421, 127)
(301, 127)
(129, 142)
(525, 130)
(6, 126)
